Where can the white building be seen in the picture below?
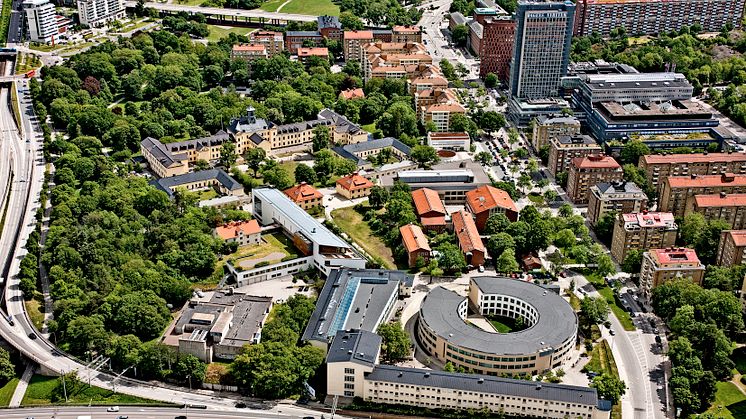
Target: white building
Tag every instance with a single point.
(42, 23)
(94, 13)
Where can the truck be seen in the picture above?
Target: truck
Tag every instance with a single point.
(84, 417)
(30, 74)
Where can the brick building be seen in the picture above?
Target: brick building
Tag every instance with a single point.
(563, 149)
(305, 195)
(272, 41)
(487, 200)
(430, 209)
(590, 170)
(677, 192)
(620, 197)
(415, 243)
(642, 230)
(353, 42)
(496, 46)
(468, 238)
(662, 265)
(297, 39)
(406, 34)
(732, 248)
(248, 53)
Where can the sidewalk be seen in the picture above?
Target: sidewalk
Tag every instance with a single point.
(20, 390)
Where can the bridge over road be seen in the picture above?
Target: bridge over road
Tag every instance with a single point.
(229, 16)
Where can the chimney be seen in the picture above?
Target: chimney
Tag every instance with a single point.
(723, 194)
(727, 177)
(694, 175)
(250, 117)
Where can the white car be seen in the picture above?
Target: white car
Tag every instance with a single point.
(113, 409)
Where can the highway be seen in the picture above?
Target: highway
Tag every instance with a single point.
(98, 412)
(219, 11)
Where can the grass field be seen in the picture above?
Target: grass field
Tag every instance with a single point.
(303, 7)
(41, 389)
(290, 167)
(504, 324)
(574, 301)
(34, 309)
(537, 199)
(218, 32)
(352, 223)
(370, 127)
(739, 358)
(6, 392)
(729, 401)
(273, 249)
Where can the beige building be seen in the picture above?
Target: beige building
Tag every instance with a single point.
(588, 171)
(353, 42)
(677, 192)
(402, 33)
(620, 197)
(242, 232)
(248, 53)
(546, 128)
(203, 180)
(663, 265)
(732, 248)
(728, 208)
(458, 141)
(162, 162)
(273, 42)
(396, 60)
(643, 231)
(565, 148)
(354, 186)
(658, 167)
(437, 106)
(305, 195)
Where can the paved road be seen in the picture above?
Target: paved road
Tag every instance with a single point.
(140, 413)
(16, 25)
(437, 45)
(239, 13)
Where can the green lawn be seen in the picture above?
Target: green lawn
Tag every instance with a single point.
(41, 390)
(574, 301)
(729, 401)
(303, 7)
(504, 324)
(739, 358)
(206, 194)
(218, 32)
(189, 2)
(34, 308)
(290, 167)
(352, 223)
(273, 249)
(537, 199)
(6, 392)
(608, 293)
(602, 361)
(370, 127)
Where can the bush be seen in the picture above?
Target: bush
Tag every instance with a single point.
(261, 264)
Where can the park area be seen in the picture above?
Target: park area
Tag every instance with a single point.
(352, 223)
(302, 7)
(602, 362)
(49, 390)
(273, 249)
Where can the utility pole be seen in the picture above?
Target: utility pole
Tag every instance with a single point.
(64, 386)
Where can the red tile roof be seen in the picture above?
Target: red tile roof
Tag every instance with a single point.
(720, 200)
(413, 237)
(466, 232)
(427, 200)
(358, 35)
(433, 221)
(402, 29)
(739, 237)
(595, 161)
(303, 192)
(706, 181)
(674, 256)
(313, 52)
(231, 230)
(354, 182)
(352, 94)
(694, 158)
(486, 197)
(249, 47)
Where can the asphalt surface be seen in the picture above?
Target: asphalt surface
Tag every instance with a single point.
(16, 23)
(226, 12)
(97, 412)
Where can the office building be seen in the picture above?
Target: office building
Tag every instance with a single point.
(273, 42)
(353, 42)
(563, 149)
(662, 265)
(542, 48)
(468, 238)
(642, 231)
(660, 166)
(96, 13)
(522, 111)
(452, 180)
(590, 170)
(42, 22)
(732, 248)
(486, 201)
(676, 193)
(416, 245)
(651, 17)
(546, 127)
(496, 46)
(730, 208)
(618, 197)
(360, 299)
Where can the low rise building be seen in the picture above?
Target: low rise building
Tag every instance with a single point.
(353, 42)
(304, 54)
(415, 243)
(406, 34)
(203, 180)
(456, 19)
(732, 248)
(642, 231)
(299, 39)
(658, 167)
(248, 52)
(350, 94)
(663, 265)
(396, 60)
(468, 238)
(430, 80)
(456, 141)
(430, 209)
(588, 171)
(677, 192)
(546, 127)
(273, 41)
(354, 186)
(355, 299)
(452, 180)
(564, 148)
(487, 200)
(619, 197)
(305, 195)
(242, 232)
(730, 208)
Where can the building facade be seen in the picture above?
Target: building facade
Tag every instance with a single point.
(732, 248)
(589, 171)
(353, 42)
(96, 13)
(660, 166)
(42, 22)
(662, 265)
(430, 209)
(677, 192)
(249, 53)
(305, 195)
(354, 186)
(297, 39)
(563, 149)
(619, 197)
(406, 34)
(541, 50)
(415, 243)
(496, 46)
(242, 232)
(642, 231)
(457, 141)
(468, 238)
(486, 201)
(273, 42)
(730, 208)
(546, 128)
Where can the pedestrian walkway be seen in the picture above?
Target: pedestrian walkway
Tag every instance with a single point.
(20, 391)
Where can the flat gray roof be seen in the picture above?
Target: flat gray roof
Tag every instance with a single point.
(485, 384)
(618, 187)
(458, 175)
(308, 225)
(359, 346)
(555, 324)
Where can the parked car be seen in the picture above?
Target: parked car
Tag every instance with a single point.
(112, 409)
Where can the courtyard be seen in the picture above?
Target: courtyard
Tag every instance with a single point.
(274, 248)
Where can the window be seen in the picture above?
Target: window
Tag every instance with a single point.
(349, 386)
(349, 378)
(349, 370)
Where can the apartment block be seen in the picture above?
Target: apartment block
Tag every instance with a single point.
(563, 149)
(730, 208)
(396, 60)
(620, 197)
(642, 230)
(650, 17)
(662, 265)
(96, 13)
(590, 170)
(732, 248)
(660, 166)
(437, 106)
(273, 42)
(304, 54)
(546, 128)
(406, 34)
(42, 23)
(329, 27)
(353, 42)
(299, 39)
(677, 192)
(248, 53)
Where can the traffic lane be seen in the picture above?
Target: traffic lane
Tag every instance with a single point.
(140, 413)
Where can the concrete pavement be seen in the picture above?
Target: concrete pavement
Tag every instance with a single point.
(20, 390)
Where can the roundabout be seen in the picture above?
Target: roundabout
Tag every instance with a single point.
(547, 327)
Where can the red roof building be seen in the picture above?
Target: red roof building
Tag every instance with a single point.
(352, 94)
(468, 238)
(487, 200)
(677, 192)
(732, 248)
(304, 53)
(241, 232)
(249, 52)
(354, 186)
(658, 167)
(415, 242)
(662, 265)
(588, 171)
(730, 208)
(305, 195)
(430, 209)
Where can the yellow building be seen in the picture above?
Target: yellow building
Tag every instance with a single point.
(354, 186)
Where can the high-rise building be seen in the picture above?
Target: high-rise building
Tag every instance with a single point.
(94, 13)
(651, 17)
(564, 148)
(546, 128)
(541, 51)
(620, 197)
(42, 23)
(643, 231)
(590, 170)
(662, 265)
(496, 46)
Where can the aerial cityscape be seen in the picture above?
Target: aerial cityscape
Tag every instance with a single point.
(373, 209)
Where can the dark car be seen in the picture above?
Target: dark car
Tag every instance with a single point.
(32, 335)
(180, 417)
(241, 405)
